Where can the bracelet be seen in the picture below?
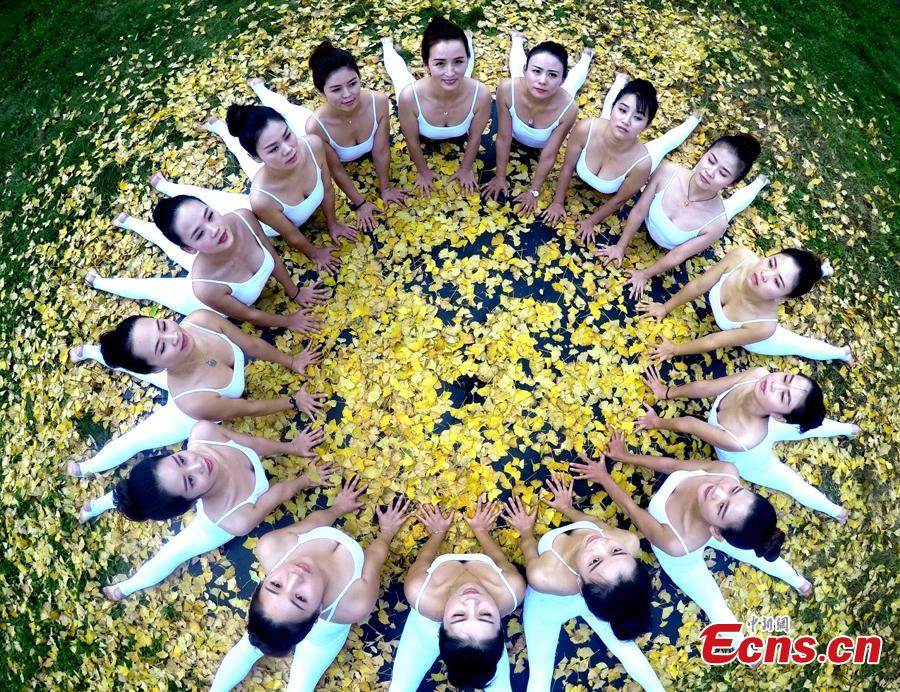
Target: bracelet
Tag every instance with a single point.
(356, 207)
(296, 294)
(667, 393)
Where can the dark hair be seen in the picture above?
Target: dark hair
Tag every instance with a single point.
(139, 496)
(745, 147)
(625, 605)
(645, 96)
(115, 345)
(440, 29)
(557, 50)
(164, 216)
(470, 664)
(274, 638)
(758, 532)
(810, 412)
(810, 270)
(246, 122)
(326, 59)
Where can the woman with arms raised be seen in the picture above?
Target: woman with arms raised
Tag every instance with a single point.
(445, 105)
(585, 568)
(610, 145)
(745, 291)
(541, 90)
(318, 582)
(219, 471)
(200, 363)
(752, 411)
(458, 605)
(677, 199)
(701, 504)
(219, 252)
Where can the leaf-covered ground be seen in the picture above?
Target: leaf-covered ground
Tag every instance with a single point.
(467, 350)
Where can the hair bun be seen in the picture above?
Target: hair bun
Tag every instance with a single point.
(632, 625)
(771, 548)
(235, 118)
(827, 269)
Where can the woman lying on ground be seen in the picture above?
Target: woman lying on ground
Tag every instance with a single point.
(536, 107)
(220, 252)
(684, 209)
(218, 471)
(200, 363)
(701, 504)
(610, 145)
(445, 105)
(752, 411)
(585, 568)
(318, 582)
(458, 605)
(745, 292)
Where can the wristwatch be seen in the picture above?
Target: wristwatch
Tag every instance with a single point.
(535, 193)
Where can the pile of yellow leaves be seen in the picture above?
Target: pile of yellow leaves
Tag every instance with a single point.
(445, 290)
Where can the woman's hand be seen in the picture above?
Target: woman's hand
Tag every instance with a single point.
(391, 195)
(303, 322)
(347, 499)
(425, 182)
(486, 514)
(73, 468)
(365, 217)
(654, 383)
(466, 180)
(590, 469)
(323, 472)
(553, 214)
(305, 442)
(312, 294)
(561, 488)
(649, 421)
(656, 310)
(308, 356)
(495, 187)
(435, 523)
(616, 448)
(525, 203)
(341, 230)
(587, 231)
(611, 253)
(638, 280)
(663, 351)
(518, 517)
(325, 261)
(392, 518)
(310, 404)
(113, 592)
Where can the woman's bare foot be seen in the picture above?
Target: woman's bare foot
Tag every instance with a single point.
(208, 124)
(516, 34)
(90, 277)
(254, 81)
(589, 52)
(806, 589)
(156, 179)
(121, 220)
(850, 359)
(76, 353)
(74, 469)
(387, 42)
(623, 75)
(84, 516)
(113, 592)
(697, 114)
(843, 515)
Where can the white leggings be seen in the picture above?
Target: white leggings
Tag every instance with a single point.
(399, 73)
(419, 649)
(573, 81)
(223, 202)
(312, 656)
(666, 142)
(295, 116)
(166, 425)
(692, 576)
(545, 614)
(784, 342)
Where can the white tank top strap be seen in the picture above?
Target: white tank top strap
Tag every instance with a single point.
(588, 140)
(325, 130)
(464, 557)
(657, 507)
(416, 97)
(471, 112)
(266, 192)
(237, 367)
(668, 182)
(547, 540)
(261, 483)
(628, 170)
(714, 409)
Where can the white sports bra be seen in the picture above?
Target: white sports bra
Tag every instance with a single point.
(430, 131)
(715, 304)
(248, 291)
(300, 212)
(535, 137)
(763, 447)
(603, 185)
(353, 152)
(660, 227)
(546, 542)
(261, 484)
(330, 533)
(464, 557)
(657, 506)
(233, 389)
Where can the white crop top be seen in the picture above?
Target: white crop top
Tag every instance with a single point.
(602, 185)
(715, 303)
(546, 542)
(464, 557)
(353, 152)
(661, 228)
(235, 387)
(430, 131)
(300, 212)
(535, 137)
